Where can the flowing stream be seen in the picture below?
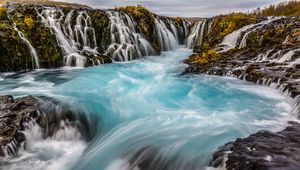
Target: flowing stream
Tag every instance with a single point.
(148, 115)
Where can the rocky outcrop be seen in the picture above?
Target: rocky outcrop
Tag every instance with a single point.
(263, 150)
(270, 57)
(16, 115)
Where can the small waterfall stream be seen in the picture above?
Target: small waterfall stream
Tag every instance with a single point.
(198, 32)
(75, 40)
(126, 43)
(166, 38)
(33, 53)
(235, 38)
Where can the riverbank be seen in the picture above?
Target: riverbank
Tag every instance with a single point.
(265, 52)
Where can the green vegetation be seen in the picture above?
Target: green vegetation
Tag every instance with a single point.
(179, 20)
(3, 13)
(29, 22)
(141, 15)
(100, 21)
(289, 8)
(14, 54)
(204, 57)
(222, 25)
(226, 24)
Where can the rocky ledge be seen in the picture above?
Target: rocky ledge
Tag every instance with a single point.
(14, 114)
(263, 150)
(18, 115)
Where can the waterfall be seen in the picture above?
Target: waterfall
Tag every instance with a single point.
(76, 41)
(243, 42)
(198, 33)
(185, 28)
(33, 53)
(232, 40)
(126, 43)
(174, 30)
(288, 58)
(166, 38)
(191, 39)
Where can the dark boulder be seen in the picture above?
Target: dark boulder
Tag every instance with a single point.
(262, 150)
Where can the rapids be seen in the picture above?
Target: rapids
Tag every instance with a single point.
(148, 115)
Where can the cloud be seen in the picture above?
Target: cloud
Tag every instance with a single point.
(184, 8)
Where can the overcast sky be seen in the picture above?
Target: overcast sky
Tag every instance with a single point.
(184, 8)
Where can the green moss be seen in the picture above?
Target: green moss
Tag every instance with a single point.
(179, 20)
(100, 21)
(204, 57)
(3, 13)
(29, 22)
(14, 54)
(226, 24)
(40, 37)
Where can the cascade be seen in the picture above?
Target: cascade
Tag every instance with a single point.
(166, 37)
(288, 57)
(174, 30)
(185, 28)
(232, 40)
(191, 39)
(77, 41)
(32, 50)
(198, 32)
(126, 43)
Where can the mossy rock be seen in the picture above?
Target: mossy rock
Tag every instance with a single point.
(100, 22)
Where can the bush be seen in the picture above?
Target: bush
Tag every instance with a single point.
(179, 20)
(29, 22)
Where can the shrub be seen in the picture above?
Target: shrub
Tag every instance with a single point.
(29, 22)
(179, 20)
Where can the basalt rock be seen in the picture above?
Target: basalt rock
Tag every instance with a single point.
(16, 115)
(263, 150)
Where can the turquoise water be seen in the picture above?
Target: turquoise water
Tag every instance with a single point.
(147, 111)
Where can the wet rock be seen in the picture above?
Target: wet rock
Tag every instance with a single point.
(263, 150)
(50, 115)
(13, 115)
